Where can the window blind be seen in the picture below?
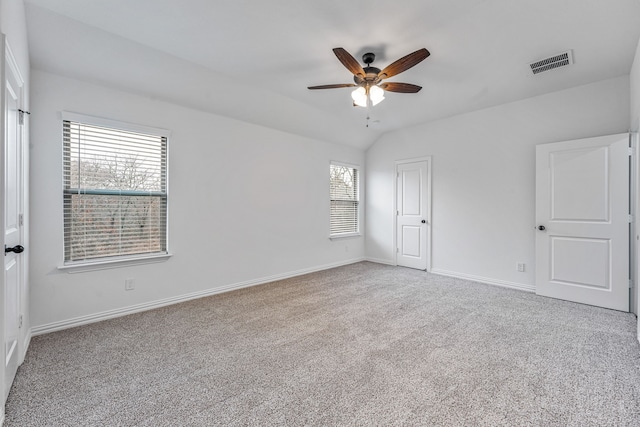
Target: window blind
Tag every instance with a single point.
(115, 192)
(343, 189)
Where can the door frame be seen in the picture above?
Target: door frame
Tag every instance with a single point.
(427, 198)
(634, 226)
(634, 296)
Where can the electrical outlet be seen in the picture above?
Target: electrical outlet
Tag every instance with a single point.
(129, 284)
(520, 267)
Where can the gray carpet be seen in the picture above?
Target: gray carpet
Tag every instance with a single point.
(359, 345)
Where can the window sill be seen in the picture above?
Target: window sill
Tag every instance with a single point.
(104, 264)
(344, 236)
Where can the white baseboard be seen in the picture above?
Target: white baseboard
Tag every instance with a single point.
(486, 280)
(110, 314)
(381, 261)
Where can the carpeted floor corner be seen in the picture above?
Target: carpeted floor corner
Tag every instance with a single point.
(359, 345)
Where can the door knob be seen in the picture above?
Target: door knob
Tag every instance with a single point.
(17, 249)
(424, 221)
(541, 227)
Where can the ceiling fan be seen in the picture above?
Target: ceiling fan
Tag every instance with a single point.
(368, 80)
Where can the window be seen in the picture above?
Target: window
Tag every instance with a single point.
(343, 189)
(115, 190)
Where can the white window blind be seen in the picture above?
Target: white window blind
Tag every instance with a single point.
(115, 192)
(343, 189)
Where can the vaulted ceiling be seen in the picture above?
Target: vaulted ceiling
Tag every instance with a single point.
(252, 60)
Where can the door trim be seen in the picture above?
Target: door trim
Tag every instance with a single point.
(427, 196)
(633, 225)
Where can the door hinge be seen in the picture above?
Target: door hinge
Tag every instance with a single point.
(397, 213)
(21, 114)
(20, 322)
(630, 284)
(630, 219)
(21, 219)
(630, 151)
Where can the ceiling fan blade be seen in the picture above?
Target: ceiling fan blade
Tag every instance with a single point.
(336, 86)
(404, 63)
(400, 87)
(349, 61)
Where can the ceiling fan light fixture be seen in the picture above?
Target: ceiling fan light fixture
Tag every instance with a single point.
(376, 94)
(359, 97)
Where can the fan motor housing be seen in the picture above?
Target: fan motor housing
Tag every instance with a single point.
(371, 76)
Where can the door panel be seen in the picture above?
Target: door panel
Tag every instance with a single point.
(582, 262)
(11, 321)
(412, 215)
(580, 184)
(411, 192)
(582, 206)
(12, 86)
(411, 238)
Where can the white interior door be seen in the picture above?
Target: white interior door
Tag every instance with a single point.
(582, 214)
(413, 214)
(12, 217)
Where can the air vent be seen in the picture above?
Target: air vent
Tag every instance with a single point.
(560, 60)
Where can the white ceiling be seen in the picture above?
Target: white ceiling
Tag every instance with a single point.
(253, 59)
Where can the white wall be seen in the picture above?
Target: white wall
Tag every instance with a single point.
(483, 178)
(246, 203)
(13, 24)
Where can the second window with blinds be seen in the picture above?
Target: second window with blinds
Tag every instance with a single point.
(115, 190)
(344, 197)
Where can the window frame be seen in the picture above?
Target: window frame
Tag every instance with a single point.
(357, 232)
(116, 260)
